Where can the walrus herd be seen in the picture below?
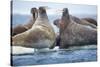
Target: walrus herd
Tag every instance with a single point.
(38, 32)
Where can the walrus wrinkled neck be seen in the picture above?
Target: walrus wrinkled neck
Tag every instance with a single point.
(42, 15)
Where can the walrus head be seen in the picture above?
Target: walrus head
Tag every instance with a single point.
(65, 12)
(34, 12)
(42, 11)
(65, 15)
(65, 19)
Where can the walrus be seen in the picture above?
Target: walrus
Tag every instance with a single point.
(34, 13)
(74, 34)
(41, 35)
(77, 20)
(83, 22)
(23, 27)
(91, 20)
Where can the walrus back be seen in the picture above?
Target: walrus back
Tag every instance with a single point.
(91, 20)
(40, 36)
(77, 34)
(18, 29)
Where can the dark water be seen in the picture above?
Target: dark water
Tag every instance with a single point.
(56, 56)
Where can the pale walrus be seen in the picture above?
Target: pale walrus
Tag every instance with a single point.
(41, 35)
(74, 34)
(22, 28)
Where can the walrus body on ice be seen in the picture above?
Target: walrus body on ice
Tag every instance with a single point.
(74, 34)
(41, 35)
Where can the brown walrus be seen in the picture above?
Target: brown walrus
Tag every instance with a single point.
(77, 20)
(83, 22)
(41, 35)
(18, 29)
(34, 13)
(22, 28)
(93, 21)
(74, 34)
